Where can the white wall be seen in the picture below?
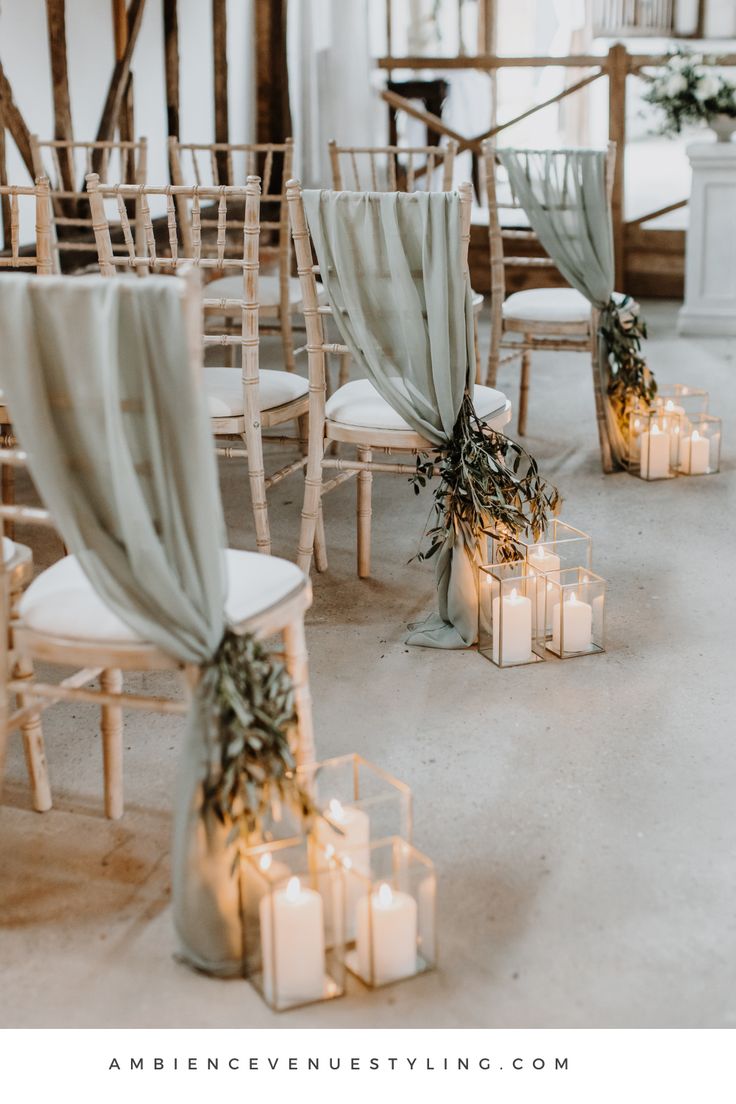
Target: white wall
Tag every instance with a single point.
(25, 56)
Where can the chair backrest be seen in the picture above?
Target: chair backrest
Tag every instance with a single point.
(392, 168)
(235, 248)
(66, 164)
(499, 234)
(14, 256)
(312, 308)
(219, 163)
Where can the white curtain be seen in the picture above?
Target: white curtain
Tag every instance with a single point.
(331, 83)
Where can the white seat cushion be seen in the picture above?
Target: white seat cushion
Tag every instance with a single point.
(224, 390)
(61, 601)
(358, 404)
(269, 295)
(477, 300)
(547, 305)
(8, 549)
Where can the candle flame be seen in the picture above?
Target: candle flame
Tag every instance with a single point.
(656, 429)
(514, 594)
(572, 599)
(669, 405)
(293, 889)
(696, 435)
(336, 810)
(385, 896)
(347, 862)
(265, 861)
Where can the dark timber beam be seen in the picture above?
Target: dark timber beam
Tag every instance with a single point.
(219, 55)
(171, 65)
(273, 117)
(119, 82)
(15, 122)
(56, 24)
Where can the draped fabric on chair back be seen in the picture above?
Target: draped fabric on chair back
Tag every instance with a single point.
(99, 384)
(565, 196)
(393, 268)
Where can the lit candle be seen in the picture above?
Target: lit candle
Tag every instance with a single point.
(694, 454)
(349, 840)
(549, 564)
(292, 944)
(678, 424)
(655, 454)
(516, 615)
(577, 626)
(387, 935)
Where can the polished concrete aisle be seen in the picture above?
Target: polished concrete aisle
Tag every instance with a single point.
(581, 814)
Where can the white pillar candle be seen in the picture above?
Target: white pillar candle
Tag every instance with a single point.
(655, 454)
(694, 454)
(387, 927)
(577, 626)
(292, 944)
(512, 642)
(677, 425)
(549, 563)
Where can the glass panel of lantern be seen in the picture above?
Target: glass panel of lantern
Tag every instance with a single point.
(678, 398)
(508, 619)
(391, 915)
(561, 545)
(700, 446)
(574, 617)
(293, 918)
(654, 437)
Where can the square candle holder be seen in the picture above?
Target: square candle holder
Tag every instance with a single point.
(565, 546)
(358, 802)
(678, 398)
(293, 910)
(575, 607)
(393, 915)
(508, 615)
(700, 446)
(654, 442)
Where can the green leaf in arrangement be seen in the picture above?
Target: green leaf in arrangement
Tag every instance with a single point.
(487, 484)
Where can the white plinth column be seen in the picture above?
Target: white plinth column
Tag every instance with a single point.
(710, 264)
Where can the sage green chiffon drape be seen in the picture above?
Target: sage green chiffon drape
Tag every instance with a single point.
(392, 266)
(563, 193)
(97, 378)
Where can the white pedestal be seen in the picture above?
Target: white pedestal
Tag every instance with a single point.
(710, 263)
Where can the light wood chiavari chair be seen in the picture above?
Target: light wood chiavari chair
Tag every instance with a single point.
(67, 164)
(242, 401)
(16, 257)
(220, 163)
(355, 413)
(60, 620)
(541, 318)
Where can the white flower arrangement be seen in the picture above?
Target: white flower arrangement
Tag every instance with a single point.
(688, 89)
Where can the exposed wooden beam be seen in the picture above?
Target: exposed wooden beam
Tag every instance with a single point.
(56, 25)
(273, 117)
(126, 122)
(219, 55)
(4, 200)
(118, 82)
(15, 122)
(171, 64)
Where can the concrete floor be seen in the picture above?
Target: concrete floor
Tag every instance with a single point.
(581, 815)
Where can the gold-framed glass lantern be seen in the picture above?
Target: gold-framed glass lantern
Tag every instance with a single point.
(700, 446)
(574, 618)
(561, 545)
(393, 921)
(507, 614)
(293, 897)
(654, 441)
(679, 398)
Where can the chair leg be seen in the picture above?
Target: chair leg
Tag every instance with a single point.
(111, 681)
(320, 543)
(365, 488)
(476, 340)
(287, 340)
(295, 648)
(302, 423)
(33, 745)
(604, 439)
(312, 504)
(526, 365)
(257, 479)
(8, 497)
